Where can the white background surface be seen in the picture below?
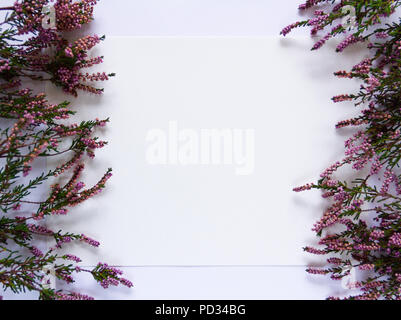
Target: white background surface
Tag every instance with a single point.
(210, 18)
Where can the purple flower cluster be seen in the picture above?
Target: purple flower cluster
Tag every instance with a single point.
(361, 228)
(35, 128)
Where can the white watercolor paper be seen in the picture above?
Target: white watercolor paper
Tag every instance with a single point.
(167, 204)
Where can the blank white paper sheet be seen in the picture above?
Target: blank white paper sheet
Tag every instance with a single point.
(208, 136)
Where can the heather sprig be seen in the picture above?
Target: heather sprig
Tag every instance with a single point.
(27, 50)
(33, 128)
(369, 18)
(366, 211)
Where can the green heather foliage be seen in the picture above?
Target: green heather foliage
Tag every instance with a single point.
(33, 128)
(361, 228)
